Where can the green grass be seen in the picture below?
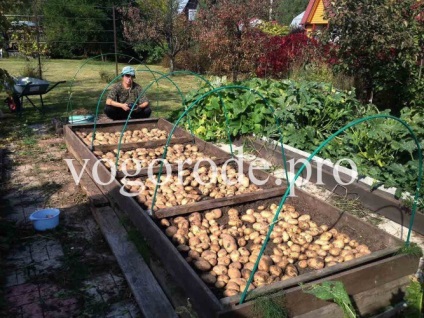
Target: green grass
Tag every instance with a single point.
(87, 87)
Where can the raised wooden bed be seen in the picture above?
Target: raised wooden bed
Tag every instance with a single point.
(383, 269)
(378, 201)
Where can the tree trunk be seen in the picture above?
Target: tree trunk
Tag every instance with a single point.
(171, 63)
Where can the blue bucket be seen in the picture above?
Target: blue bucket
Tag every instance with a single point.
(81, 119)
(45, 219)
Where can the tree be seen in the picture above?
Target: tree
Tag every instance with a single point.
(378, 42)
(5, 7)
(227, 31)
(158, 22)
(78, 27)
(287, 10)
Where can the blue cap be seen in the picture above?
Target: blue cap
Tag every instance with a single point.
(128, 70)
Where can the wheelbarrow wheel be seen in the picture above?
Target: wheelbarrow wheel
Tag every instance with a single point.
(13, 103)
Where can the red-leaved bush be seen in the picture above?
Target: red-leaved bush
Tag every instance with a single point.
(281, 53)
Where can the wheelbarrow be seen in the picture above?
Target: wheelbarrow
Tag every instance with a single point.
(29, 86)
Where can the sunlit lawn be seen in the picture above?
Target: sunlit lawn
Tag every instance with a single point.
(84, 86)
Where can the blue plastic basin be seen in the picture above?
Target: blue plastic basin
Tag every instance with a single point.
(81, 119)
(45, 219)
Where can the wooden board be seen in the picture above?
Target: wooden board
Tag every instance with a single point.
(146, 290)
(369, 277)
(205, 302)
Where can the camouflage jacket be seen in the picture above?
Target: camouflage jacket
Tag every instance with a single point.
(121, 95)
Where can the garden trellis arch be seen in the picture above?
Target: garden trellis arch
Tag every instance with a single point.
(226, 115)
(129, 115)
(183, 101)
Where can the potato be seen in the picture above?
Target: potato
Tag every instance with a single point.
(234, 273)
(275, 270)
(338, 243)
(214, 214)
(179, 238)
(235, 255)
(195, 217)
(265, 263)
(348, 257)
(261, 277)
(276, 258)
(236, 265)
(220, 284)
(245, 273)
(316, 263)
(304, 218)
(208, 278)
(241, 242)
(284, 262)
(221, 253)
(202, 264)
(215, 247)
(353, 243)
(231, 292)
(249, 266)
(244, 259)
(248, 218)
(207, 255)
(335, 251)
(225, 260)
(171, 231)
(193, 254)
(223, 278)
(326, 236)
(290, 270)
(164, 222)
(183, 248)
(220, 270)
(303, 264)
(232, 285)
(194, 241)
(228, 242)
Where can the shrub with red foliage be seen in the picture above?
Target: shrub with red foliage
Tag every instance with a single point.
(281, 53)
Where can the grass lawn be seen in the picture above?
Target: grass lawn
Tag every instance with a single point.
(86, 86)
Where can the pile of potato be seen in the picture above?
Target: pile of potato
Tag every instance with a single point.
(144, 156)
(173, 193)
(112, 138)
(224, 252)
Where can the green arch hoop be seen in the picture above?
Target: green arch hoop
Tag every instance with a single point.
(322, 145)
(129, 115)
(69, 106)
(225, 114)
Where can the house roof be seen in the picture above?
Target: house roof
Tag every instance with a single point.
(181, 5)
(310, 10)
(297, 20)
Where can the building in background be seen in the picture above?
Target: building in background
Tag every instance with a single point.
(313, 19)
(189, 7)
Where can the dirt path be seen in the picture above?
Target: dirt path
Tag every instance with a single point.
(66, 272)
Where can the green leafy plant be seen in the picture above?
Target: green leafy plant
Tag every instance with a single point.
(187, 310)
(273, 28)
(106, 76)
(308, 113)
(336, 292)
(267, 308)
(412, 249)
(414, 299)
